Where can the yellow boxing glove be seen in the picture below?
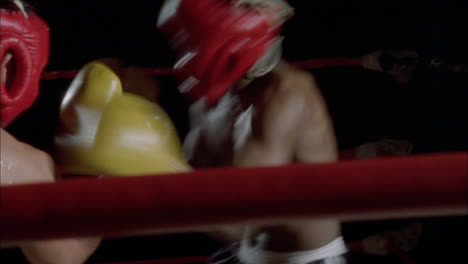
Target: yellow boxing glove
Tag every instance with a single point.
(104, 130)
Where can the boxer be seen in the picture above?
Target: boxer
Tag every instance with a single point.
(24, 46)
(250, 108)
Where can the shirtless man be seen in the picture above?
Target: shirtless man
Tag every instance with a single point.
(24, 164)
(252, 109)
(25, 33)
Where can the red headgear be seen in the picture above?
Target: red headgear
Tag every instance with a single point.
(217, 42)
(26, 38)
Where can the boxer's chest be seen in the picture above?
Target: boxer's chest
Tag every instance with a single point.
(223, 129)
(228, 127)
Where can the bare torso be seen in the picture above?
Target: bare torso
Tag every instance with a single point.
(243, 115)
(275, 120)
(24, 164)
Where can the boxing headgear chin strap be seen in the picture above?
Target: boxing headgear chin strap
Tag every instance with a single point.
(26, 39)
(217, 42)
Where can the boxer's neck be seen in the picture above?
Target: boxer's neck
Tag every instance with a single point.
(249, 90)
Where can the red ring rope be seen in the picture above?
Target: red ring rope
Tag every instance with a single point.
(114, 206)
(308, 64)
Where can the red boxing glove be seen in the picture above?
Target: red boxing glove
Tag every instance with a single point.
(217, 42)
(25, 37)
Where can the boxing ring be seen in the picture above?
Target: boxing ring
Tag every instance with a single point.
(350, 190)
(205, 199)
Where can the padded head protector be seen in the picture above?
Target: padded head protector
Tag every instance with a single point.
(218, 42)
(24, 44)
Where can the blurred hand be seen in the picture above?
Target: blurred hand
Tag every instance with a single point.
(401, 65)
(385, 147)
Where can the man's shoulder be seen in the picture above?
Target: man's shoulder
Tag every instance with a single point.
(287, 93)
(295, 80)
(295, 84)
(298, 90)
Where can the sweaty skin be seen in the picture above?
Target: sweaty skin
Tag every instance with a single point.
(290, 123)
(23, 164)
